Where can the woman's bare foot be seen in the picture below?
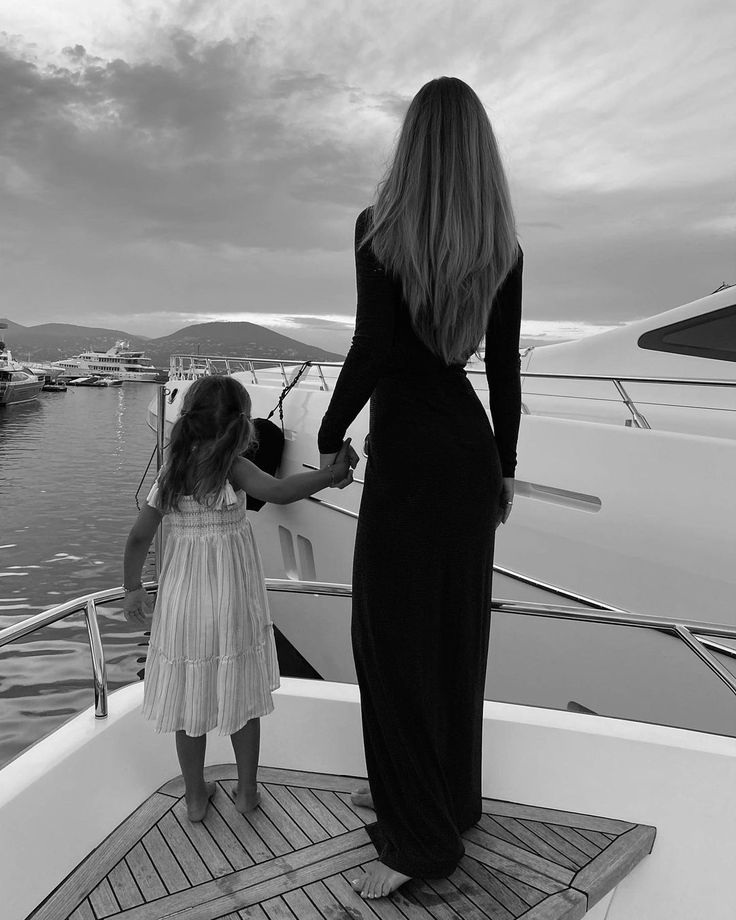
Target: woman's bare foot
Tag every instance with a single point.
(379, 881)
(248, 801)
(197, 805)
(362, 797)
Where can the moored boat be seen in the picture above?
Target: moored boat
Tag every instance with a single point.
(93, 381)
(119, 362)
(18, 384)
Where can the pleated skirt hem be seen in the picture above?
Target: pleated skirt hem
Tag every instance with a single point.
(199, 695)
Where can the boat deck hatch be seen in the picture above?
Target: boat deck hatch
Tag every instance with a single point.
(295, 855)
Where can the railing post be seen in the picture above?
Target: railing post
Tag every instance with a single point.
(638, 419)
(99, 668)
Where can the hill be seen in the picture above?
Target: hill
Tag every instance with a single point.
(53, 341)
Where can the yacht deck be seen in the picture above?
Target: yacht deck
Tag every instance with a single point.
(295, 855)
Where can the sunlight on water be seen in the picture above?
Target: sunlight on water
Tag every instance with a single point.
(70, 464)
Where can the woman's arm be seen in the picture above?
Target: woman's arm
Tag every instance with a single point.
(503, 366)
(136, 604)
(378, 298)
(254, 481)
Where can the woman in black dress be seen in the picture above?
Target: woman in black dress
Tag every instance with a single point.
(438, 266)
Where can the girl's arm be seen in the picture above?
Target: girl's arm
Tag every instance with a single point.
(136, 604)
(252, 480)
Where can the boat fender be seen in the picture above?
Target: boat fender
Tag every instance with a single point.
(267, 453)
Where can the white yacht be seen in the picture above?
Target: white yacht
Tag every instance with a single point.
(625, 486)
(613, 807)
(18, 383)
(118, 362)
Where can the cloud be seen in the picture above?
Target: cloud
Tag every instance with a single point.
(190, 157)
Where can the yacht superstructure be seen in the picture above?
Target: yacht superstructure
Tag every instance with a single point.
(118, 362)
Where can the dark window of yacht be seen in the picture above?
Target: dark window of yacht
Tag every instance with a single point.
(712, 335)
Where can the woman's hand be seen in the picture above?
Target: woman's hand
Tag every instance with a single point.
(507, 500)
(137, 606)
(344, 462)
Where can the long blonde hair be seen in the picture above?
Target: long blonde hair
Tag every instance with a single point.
(443, 221)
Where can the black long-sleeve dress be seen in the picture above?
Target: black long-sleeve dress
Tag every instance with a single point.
(423, 561)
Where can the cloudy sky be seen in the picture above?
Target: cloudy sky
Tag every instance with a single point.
(176, 161)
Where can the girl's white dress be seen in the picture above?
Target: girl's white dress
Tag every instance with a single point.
(212, 658)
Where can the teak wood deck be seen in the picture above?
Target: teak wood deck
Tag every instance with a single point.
(293, 858)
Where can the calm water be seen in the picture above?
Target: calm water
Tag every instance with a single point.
(70, 464)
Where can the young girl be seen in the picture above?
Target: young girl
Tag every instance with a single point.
(212, 659)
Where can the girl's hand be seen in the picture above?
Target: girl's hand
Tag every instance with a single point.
(137, 606)
(342, 465)
(507, 500)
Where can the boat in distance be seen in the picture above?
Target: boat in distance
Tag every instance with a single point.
(93, 381)
(118, 362)
(18, 384)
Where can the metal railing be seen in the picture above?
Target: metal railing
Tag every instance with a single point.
(638, 420)
(693, 633)
(188, 367)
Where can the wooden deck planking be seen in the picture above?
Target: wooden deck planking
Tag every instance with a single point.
(251, 913)
(301, 816)
(277, 909)
(341, 810)
(184, 851)
(145, 874)
(293, 859)
(301, 906)
(492, 907)
(552, 816)
(167, 866)
(83, 912)
(103, 901)
(518, 834)
(514, 895)
(124, 886)
(202, 841)
(221, 833)
(319, 811)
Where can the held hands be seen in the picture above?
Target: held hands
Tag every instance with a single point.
(506, 501)
(340, 464)
(137, 607)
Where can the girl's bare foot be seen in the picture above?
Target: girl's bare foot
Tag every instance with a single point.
(379, 881)
(248, 800)
(362, 797)
(197, 805)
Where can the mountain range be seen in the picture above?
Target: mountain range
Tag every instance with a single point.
(55, 341)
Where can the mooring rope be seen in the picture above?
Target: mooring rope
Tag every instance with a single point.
(280, 404)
